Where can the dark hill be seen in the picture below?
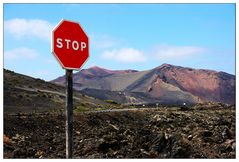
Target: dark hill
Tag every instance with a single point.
(26, 94)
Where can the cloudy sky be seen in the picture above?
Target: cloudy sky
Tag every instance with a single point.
(123, 36)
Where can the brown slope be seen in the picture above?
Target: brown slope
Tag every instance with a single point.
(160, 89)
(153, 85)
(208, 85)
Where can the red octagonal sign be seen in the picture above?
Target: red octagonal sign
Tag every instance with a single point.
(70, 44)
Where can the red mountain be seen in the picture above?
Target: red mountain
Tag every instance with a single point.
(208, 85)
(166, 83)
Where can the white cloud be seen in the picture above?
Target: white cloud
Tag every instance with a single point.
(127, 55)
(21, 28)
(20, 53)
(103, 41)
(166, 52)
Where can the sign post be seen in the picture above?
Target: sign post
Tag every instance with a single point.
(71, 48)
(69, 114)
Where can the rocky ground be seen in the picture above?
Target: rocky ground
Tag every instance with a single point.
(203, 131)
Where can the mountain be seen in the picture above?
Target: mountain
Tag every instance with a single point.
(26, 94)
(163, 84)
(89, 77)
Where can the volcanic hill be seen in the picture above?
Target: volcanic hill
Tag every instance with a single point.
(164, 84)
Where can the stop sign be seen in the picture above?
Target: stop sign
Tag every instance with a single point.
(70, 44)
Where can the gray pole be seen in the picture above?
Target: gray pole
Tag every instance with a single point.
(69, 114)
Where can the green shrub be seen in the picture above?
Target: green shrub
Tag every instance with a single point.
(81, 109)
(44, 95)
(111, 102)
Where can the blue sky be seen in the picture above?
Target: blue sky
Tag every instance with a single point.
(123, 36)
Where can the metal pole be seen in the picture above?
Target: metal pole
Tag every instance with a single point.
(69, 114)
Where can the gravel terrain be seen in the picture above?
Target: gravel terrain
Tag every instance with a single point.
(202, 131)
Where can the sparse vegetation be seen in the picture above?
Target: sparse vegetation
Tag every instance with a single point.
(111, 101)
(81, 109)
(44, 95)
